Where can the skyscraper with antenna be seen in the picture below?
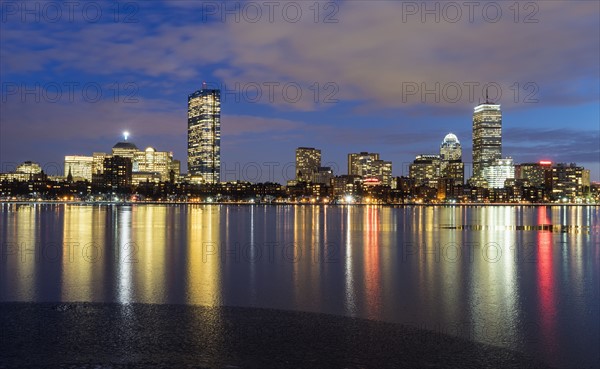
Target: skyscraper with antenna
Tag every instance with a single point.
(487, 135)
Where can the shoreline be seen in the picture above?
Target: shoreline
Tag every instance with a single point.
(130, 203)
(84, 334)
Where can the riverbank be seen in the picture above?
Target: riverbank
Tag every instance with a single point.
(95, 335)
(466, 204)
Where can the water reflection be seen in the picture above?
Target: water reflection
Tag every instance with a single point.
(519, 277)
(203, 269)
(349, 294)
(372, 267)
(546, 284)
(126, 256)
(77, 276)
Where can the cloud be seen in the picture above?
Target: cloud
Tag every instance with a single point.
(239, 125)
(559, 145)
(371, 53)
(368, 55)
(105, 118)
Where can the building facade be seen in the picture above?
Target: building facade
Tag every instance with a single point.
(25, 171)
(323, 176)
(383, 172)
(369, 166)
(117, 173)
(568, 181)
(451, 165)
(535, 174)
(125, 149)
(498, 172)
(98, 162)
(79, 167)
(308, 162)
(425, 170)
(487, 136)
(360, 164)
(204, 134)
(152, 161)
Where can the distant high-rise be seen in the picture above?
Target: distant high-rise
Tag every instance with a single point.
(29, 167)
(450, 149)
(568, 181)
(308, 162)
(359, 164)
(498, 172)
(535, 174)
(80, 167)
(425, 170)
(451, 165)
(117, 172)
(369, 166)
(204, 134)
(150, 160)
(487, 136)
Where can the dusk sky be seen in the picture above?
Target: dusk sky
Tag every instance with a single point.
(365, 59)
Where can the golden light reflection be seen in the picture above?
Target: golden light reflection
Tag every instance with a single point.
(126, 254)
(494, 275)
(204, 250)
(23, 222)
(80, 252)
(452, 254)
(204, 266)
(574, 250)
(149, 240)
(422, 252)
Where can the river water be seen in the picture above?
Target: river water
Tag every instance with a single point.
(519, 277)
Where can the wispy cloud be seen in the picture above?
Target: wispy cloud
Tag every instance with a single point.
(369, 53)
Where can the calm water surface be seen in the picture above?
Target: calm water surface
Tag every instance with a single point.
(524, 278)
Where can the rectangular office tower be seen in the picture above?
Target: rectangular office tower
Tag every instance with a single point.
(204, 134)
(368, 166)
(487, 136)
(308, 162)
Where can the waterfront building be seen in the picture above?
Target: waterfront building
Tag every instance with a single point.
(498, 172)
(308, 162)
(79, 167)
(204, 134)
(487, 136)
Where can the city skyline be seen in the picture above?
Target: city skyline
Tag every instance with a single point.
(550, 113)
(304, 184)
(204, 151)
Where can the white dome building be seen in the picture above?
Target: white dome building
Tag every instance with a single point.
(450, 149)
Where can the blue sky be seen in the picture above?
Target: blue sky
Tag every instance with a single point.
(391, 77)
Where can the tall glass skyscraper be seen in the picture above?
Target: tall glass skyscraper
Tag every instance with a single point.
(487, 136)
(204, 134)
